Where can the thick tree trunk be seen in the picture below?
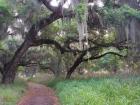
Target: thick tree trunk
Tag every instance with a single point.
(72, 69)
(10, 68)
(8, 76)
(69, 73)
(78, 61)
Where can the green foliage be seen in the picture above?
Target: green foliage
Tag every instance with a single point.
(103, 91)
(51, 31)
(5, 14)
(61, 30)
(1, 47)
(107, 62)
(21, 68)
(80, 10)
(117, 15)
(9, 95)
(110, 36)
(3, 3)
(4, 11)
(70, 27)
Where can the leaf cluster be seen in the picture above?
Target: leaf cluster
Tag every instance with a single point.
(4, 13)
(80, 10)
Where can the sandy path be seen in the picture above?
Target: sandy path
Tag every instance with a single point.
(39, 95)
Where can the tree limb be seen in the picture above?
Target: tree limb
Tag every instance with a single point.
(97, 57)
(51, 42)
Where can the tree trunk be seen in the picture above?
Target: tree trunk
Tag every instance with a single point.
(69, 73)
(8, 76)
(78, 61)
(72, 69)
(10, 68)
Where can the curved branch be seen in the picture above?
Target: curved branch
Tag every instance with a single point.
(97, 57)
(66, 48)
(31, 36)
(62, 49)
(51, 42)
(76, 63)
(119, 45)
(111, 44)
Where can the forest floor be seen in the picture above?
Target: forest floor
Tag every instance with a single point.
(38, 94)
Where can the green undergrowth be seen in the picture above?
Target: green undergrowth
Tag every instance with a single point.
(99, 91)
(10, 94)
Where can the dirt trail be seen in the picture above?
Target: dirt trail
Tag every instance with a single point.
(39, 95)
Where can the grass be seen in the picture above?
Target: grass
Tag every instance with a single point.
(99, 91)
(10, 94)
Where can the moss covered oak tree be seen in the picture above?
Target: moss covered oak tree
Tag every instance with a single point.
(9, 70)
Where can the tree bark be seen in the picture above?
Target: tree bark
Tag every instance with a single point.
(10, 68)
(78, 61)
(8, 76)
(9, 71)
